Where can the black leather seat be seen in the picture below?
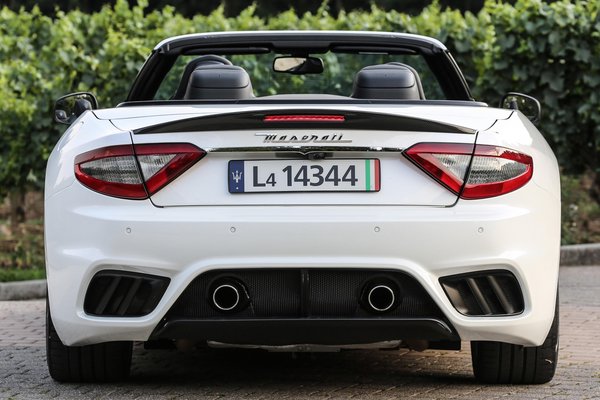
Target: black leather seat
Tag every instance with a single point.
(214, 77)
(388, 81)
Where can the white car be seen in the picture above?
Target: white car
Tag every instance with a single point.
(301, 191)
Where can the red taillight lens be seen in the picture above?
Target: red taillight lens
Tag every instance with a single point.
(304, 118)
(445, 162)
(135, 173)
(493, 170)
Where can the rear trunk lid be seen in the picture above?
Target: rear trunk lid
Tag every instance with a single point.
(306, 156)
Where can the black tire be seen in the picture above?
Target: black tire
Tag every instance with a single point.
(497, 362)
(103, 362)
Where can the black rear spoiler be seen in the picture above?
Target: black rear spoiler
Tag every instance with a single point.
(303, 119)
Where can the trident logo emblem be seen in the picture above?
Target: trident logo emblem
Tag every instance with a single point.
(237, 176)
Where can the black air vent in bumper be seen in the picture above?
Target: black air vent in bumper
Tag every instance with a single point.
(123, 294)
(486, 293)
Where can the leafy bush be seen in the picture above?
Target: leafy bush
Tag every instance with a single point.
(550, 51)
(14, 274)
(24, 248)
(580, 213)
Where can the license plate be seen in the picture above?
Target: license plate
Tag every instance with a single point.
(333, 175)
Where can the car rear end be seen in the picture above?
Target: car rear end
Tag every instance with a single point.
(289, 225)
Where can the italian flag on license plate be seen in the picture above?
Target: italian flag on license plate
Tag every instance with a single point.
(372, 175)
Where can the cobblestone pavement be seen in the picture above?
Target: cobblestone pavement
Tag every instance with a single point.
(211, 374)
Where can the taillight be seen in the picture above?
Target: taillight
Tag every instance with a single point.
(493, 170)
(134, 173)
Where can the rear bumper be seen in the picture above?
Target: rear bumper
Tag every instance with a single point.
(181, 243)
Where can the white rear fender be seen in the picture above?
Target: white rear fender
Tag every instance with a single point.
(518, 133)
(85, 134)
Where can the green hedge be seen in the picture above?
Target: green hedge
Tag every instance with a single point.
(551, 51)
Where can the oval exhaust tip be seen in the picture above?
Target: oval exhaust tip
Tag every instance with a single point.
(226, 297)
(381, 298)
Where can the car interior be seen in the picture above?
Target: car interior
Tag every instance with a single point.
(212, 77)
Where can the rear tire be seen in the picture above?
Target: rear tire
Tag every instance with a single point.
(498, 362)
(102, 362)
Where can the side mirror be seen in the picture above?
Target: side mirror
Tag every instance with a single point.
(528, 105)
(298, 65)
(68, 108)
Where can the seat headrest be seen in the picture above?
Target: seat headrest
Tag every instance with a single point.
(388, 81)
(218, 81)
(207, 59)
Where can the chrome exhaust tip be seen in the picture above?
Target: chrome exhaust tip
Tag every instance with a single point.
(228, 294)
(381, 298)
(380, 295)
(226, 297)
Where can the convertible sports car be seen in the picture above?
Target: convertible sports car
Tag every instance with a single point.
(300, 191)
